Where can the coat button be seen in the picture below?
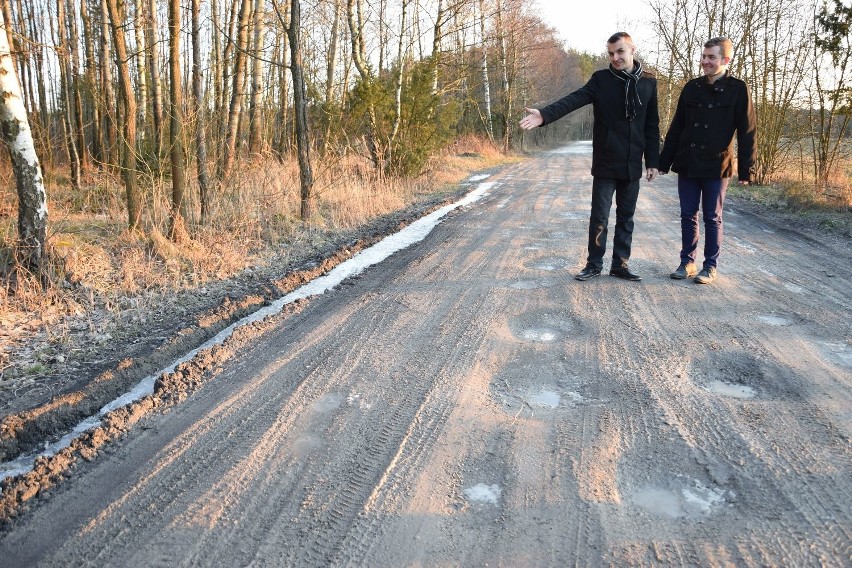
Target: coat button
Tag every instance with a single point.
(692, 145)
(710, 105)
(706, 126)
(703, 146)
(695, 125)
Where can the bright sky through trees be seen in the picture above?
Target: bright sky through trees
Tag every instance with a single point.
(585, 26)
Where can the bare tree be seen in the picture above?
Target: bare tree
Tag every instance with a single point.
(66, 88)
(300, 106)
(16, 133)
(153, 55)
(255, 109)
(200, 117)
(128, 117)
(486, 88)
(141, 64)
(230, 148)
(177, 228)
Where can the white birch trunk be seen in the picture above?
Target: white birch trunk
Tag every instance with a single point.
(16, 134)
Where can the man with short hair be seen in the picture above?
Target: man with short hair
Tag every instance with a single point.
(626, 130)
(699, 147)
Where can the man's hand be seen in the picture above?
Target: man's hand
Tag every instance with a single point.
(532, 119)
(652, 173)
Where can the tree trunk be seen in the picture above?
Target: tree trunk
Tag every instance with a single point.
(76, 91)
(197, 101)
(91, 81)
(16, 133)
(255, 111)
(486, 87)
(331, 65)
(128, 117)
(300, 106)
(65, 87)
(230, 148)
(141, 67)
(153, 54)
(110, 142)
(177, 228)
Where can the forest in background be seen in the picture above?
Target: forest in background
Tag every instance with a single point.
(176, 136)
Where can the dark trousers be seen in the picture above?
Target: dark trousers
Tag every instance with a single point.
(626, 193)
(710, 194)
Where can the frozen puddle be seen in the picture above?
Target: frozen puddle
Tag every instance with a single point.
(541, 335)
(545, 399)
(695, 501)
(482, 493)
(775, 321)
(730, 389)
(841, 352)
(409, 235)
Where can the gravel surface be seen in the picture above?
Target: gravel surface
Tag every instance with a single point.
(467, 402)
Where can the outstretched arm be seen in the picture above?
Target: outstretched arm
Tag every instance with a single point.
(532, 119)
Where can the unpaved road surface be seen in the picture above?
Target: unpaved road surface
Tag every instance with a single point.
(467, 402)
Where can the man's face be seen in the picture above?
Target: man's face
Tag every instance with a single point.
(621, 54)
(712, 62)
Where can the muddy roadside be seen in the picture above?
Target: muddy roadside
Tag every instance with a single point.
(104, 353)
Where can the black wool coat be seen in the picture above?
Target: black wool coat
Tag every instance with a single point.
(700, 140)
(618, 143)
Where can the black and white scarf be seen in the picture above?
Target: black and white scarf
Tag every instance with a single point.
(631, 93)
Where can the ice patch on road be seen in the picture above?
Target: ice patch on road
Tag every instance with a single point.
(730, 389)
(546, 399)
(540, 335)
(482, 493)
(695, 501)
(479, 177)
(794, 288)
(411, 234)
(774, 321)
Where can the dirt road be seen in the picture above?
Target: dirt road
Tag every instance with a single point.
(467, 402)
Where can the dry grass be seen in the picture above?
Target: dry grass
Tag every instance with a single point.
(253, 218)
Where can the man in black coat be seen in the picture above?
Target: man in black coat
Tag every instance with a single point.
(699, 147)
(626, 130)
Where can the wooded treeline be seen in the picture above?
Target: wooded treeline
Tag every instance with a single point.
(194, 90)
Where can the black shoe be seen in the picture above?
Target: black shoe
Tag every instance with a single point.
(685, 270)
(624, 273)
(588, 272)
(706, 276)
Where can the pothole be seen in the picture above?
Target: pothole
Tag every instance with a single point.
(542, 326)
(694, 501)
(774, 321)
(730, 389)
(483, 493)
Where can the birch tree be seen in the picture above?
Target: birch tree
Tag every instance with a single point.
(200, 116)
(17, 136)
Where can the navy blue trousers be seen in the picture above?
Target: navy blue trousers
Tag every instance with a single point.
(710, 195)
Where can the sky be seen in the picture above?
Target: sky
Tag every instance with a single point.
(585, 25)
